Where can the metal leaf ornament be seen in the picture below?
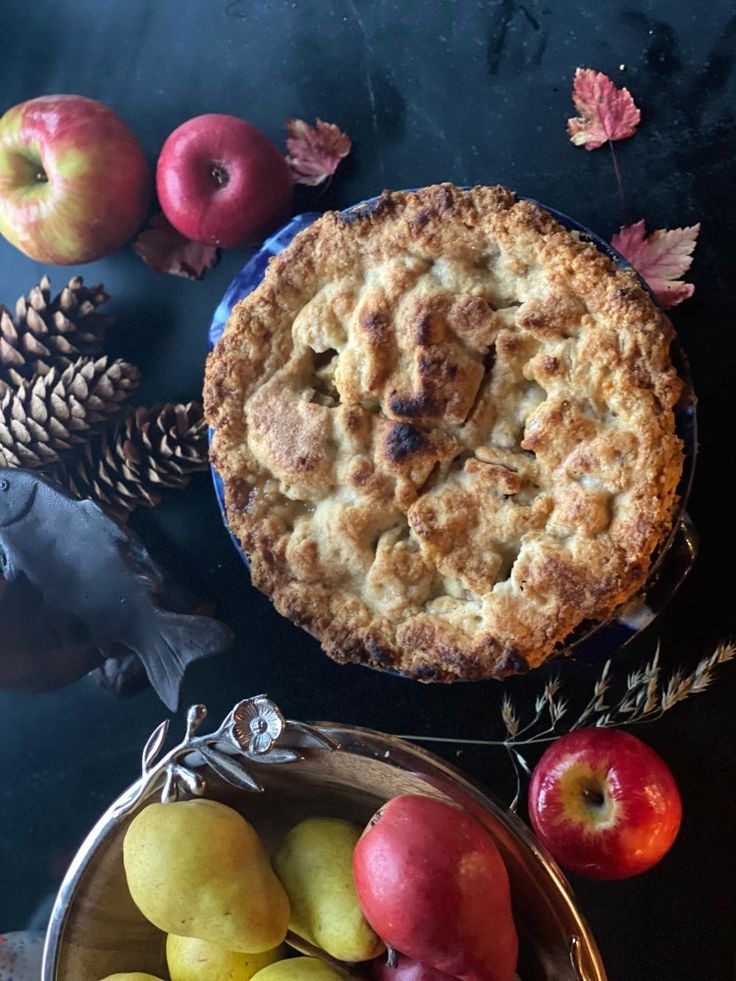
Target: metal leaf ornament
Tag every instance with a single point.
(248, 735)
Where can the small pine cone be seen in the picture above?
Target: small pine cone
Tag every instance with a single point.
(46, 333)
(149, 449)
(46, 416)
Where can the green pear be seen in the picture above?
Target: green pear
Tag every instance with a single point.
(190, 959)
(315, 865)
(299, 969)
(196, 868)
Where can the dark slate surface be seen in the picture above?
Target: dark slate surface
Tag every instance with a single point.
(429, 90)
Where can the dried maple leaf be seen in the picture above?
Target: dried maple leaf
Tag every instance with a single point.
(165, 250)
(606, 113)
(314, 151)
(660, 259)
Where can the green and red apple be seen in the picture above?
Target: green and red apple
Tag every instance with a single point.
(74, 181)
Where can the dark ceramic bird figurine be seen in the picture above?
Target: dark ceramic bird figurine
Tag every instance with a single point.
(90, 571)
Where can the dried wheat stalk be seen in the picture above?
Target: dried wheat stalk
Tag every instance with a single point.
(646, 697)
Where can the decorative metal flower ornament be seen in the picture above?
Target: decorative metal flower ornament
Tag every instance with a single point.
(257, 724)
(254, 732)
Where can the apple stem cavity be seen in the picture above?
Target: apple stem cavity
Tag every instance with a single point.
(31, 168)
(219, 174)
(594, 797)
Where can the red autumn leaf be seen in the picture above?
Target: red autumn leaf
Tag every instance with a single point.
(165, 250)
(314, 151)
(660, 259)
(606, 113)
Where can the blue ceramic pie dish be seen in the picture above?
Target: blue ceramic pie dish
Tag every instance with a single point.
(675, 556)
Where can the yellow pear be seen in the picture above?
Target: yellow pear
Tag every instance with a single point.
(299, 969)
(135, 976)
(315, 865)
(196, 868)
(190, 959)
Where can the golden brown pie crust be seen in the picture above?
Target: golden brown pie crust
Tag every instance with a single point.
(445, 428)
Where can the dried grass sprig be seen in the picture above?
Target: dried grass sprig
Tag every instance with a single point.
(644, 697)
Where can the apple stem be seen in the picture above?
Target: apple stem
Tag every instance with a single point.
(392, 959)
(219, 174)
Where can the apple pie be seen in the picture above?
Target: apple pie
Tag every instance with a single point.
(445, 428)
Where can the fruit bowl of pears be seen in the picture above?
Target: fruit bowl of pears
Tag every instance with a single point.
(276, 850)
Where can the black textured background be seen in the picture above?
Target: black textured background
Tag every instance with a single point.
(429, 90)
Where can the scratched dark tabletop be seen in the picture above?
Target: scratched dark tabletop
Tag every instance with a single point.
(429, 90)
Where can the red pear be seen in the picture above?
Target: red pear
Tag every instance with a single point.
(433, 884)
(406, 970)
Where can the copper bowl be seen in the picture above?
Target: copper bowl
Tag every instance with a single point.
(96, 930)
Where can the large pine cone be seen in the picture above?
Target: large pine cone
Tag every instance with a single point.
(48, 333)
(46, 416)
(128, 465)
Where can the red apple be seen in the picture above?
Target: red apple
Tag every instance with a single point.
(405, 970)
(74, 181)
(222, 182)
(432, 883)
(604, 804)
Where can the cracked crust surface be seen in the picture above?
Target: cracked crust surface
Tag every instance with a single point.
(445, 429)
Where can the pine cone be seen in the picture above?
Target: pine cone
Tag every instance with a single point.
(44, 417)
(48, 333)
(127, 465)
